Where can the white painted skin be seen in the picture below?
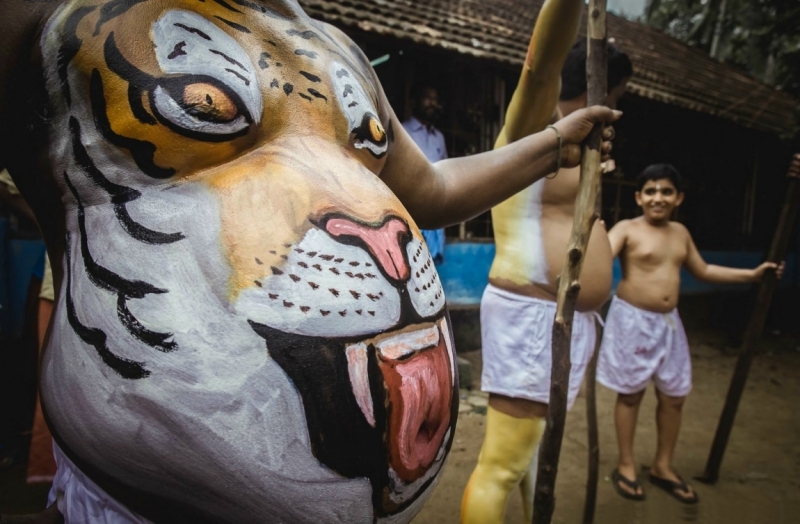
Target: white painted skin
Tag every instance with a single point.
(532, 222)
(359, 379)
(219, 403)
(219, 57)
(354, 103)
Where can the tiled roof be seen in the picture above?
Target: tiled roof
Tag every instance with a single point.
(665, 69)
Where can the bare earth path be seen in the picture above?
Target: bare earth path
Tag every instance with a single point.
(760, 477)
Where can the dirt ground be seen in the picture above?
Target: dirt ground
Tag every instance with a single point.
(760, 478)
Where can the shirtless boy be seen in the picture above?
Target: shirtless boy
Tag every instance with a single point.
(644, 337)
(531, 233)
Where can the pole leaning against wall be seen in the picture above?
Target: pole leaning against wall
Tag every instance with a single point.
(755, 325)
(569, 285)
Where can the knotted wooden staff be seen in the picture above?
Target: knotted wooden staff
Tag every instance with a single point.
(569, 285)
(755, 325)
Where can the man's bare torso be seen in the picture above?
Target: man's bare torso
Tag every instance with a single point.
(532, 230)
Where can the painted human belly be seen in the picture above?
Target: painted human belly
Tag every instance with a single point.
(250, 324)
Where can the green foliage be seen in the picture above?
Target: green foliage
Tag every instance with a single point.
(762, 37)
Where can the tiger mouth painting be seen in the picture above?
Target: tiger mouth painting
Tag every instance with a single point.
(250, 324)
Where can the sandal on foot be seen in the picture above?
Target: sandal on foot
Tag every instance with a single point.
(617, 477)
(674, 488)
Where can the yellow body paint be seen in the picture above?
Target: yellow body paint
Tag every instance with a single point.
(506, 455)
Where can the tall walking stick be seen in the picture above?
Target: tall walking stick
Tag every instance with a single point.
(569, 285)
(755, 326)
(593, 436)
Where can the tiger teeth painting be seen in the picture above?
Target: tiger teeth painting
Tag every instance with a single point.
(250, 327)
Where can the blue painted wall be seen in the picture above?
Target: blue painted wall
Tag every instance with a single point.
(465, 271)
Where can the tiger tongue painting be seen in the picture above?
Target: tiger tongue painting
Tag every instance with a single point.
(249, 325)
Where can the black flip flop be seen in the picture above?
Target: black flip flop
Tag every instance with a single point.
(617, 477)
(672, 488)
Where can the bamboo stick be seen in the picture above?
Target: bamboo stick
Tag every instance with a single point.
(569, 284)
(755, 326)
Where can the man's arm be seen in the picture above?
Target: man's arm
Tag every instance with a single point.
(18, 25)
(700, 270)
(617, 236)
(535, 99)
(457, 189)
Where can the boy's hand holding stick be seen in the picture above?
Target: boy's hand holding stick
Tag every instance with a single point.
(569, 285)
(755, 325)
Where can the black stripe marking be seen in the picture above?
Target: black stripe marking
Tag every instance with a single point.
(304, 52)
(154, 339)
(117, 192)
(96, 338)
(305, 35)
(99, 275)
(239, 76)
(140, 232)
(309, 76)
(193, 30)
(261, 9)
(120, 195)
(137, 107)
(227, 6)
(303, 95)
(112, 10)
(141, 150)
(317, 94)
(177, 51)
(234, 25)
(70, 46)
(229, 59)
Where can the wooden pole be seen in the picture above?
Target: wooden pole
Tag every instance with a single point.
(593, 436)
(569, 285)
(755, 326)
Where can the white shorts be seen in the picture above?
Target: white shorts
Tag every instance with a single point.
(639, 345)
(517, 331)
(81, 501)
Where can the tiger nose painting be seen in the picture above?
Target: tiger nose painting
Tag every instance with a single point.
(246, 308)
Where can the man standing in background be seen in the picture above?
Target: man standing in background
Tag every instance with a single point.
(420, 127)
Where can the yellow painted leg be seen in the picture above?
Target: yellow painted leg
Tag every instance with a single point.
(528, 486)
(505, 458)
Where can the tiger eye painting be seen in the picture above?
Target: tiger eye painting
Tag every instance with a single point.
(250, 324)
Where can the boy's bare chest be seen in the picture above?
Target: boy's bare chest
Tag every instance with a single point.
(652, 248)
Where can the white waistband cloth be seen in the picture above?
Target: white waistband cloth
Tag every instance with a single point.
(516, 331)
(639, 345)
(81, 501)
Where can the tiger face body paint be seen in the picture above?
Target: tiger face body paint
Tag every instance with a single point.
(250, 324)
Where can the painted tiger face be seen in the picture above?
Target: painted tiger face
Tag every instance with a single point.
(250, 323)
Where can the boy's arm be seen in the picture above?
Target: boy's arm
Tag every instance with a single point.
(721, 274)
(535, 99)
(617, 236)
